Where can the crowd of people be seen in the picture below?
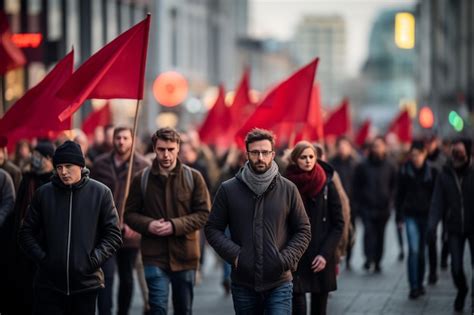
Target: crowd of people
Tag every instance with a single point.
(283, 220)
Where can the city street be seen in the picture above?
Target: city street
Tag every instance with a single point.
(359, 292)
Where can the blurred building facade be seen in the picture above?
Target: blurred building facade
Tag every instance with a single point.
(445, 41)
(269, 61)
(387, 80)
(197, 38)
(324, 37)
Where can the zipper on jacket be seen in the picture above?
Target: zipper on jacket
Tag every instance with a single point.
(68, 244)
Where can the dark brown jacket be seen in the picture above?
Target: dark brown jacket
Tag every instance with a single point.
(269, 233)
(186, 209)
(105, 172)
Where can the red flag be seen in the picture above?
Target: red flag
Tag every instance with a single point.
(402, 127)
(217, 118)
(36, 113)
(313, 129)
(242, 106)
(101, 117)
(363, 133)
(287, 102)
(11, 56)
(115, 71)
(339, 121)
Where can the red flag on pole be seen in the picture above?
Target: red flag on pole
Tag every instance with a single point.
(36, 113)
(100, 117)
(288, 102)
(339, 121)
(313, 130)
(363, 133)
(217, 118)
(11, 56)
(402, 127)
(115, 71)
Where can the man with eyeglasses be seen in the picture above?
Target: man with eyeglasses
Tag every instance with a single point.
(269, 230)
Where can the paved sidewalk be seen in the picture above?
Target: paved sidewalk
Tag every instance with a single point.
(359, 292)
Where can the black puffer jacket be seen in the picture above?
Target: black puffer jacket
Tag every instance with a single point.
(269, 233)
(70, 231)
(454, 194)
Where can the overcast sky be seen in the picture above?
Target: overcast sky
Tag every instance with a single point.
(278, 18)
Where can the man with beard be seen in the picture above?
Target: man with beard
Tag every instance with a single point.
(111, 169)
(373, 193)
(168, 204)
(453, 199)
(269, 230)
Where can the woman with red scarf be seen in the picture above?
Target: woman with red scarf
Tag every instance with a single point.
(316, 272)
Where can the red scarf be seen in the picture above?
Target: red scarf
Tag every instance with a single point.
(310, 183)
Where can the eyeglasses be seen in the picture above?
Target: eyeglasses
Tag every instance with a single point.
(256, 153)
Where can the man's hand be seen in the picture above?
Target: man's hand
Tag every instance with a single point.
(236, 262)
(318, 264)
(160, 227)
(130, 234)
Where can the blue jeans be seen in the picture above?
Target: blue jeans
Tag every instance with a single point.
(182, 284)
(276, 301)
(416, 236)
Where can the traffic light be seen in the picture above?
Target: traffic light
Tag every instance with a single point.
(456, 121)
(426, 117)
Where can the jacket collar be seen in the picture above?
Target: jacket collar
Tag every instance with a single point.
(84, 179)
(155, 167)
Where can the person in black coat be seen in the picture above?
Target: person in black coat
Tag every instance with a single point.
(373, 191)
(316, 271)
(416, 180)
(344, 163)
(453, 198)
(70, 230)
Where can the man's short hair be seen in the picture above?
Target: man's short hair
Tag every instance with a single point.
(343, 139)
(166, 134)
(119, 129)
(258, 134)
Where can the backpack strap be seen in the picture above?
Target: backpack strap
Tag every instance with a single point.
(188, 176)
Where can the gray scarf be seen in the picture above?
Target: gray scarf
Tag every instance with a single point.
(258, 183)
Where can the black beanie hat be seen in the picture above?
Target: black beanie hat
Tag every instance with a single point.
(69, 153)
(46, 149)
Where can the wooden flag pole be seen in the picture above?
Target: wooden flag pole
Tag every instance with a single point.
(3, 102)
(130, 164)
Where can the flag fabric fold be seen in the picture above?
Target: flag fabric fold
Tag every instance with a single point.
(115, 71)
(313, 129)
(363, 133)
(11, 56)
(339, 121)
(402, 127)
(288, 102)
(100, 117)
(35, 114)
(217, 119)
